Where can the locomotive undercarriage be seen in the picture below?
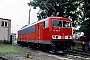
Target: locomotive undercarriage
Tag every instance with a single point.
(61, 46)
(55, 46)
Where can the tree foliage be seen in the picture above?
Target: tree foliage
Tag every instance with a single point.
(85, 26)
(62, 8)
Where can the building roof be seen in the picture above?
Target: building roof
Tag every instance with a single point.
(4, 19)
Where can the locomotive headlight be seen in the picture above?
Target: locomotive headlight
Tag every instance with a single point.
(53, 37)
(56, 37)
(68, 37)
(59, 37)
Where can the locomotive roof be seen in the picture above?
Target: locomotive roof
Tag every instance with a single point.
(62, 18)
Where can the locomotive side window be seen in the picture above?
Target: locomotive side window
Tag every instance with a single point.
(22, 31)
(66, 24)
(31, 29)
(45, 24)
(28, 29)
(57, 23)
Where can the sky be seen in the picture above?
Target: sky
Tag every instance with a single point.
(18, 12)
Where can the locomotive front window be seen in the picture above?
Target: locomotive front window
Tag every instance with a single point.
(57, 23)
(66, 24)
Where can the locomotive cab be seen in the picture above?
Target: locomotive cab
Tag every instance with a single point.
(61, 34)
(61, 29)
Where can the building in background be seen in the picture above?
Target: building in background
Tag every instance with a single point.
(5, 30)
(13, 40)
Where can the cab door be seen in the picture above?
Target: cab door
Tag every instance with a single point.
(38, 32)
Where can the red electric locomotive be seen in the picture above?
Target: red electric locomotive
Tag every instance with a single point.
(53, 33)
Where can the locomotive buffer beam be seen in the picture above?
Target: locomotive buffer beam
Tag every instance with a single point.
(54, 49)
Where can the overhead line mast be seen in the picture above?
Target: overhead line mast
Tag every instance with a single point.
(29, 15)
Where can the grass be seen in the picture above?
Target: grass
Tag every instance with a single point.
(78, 45)
(6, 48)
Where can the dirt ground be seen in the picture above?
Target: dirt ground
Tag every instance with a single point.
(36, 55)
(33, 55)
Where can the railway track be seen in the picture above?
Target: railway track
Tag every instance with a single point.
(73, 52)
(73, 55)
(79, 53)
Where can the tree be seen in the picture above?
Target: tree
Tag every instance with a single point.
(62, 8)
(85, 25)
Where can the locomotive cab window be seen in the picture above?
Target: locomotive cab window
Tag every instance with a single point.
(66, 24)
(45, 24)
(57, 23)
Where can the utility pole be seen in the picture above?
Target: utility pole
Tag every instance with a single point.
(29, 18)
(29, 15)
